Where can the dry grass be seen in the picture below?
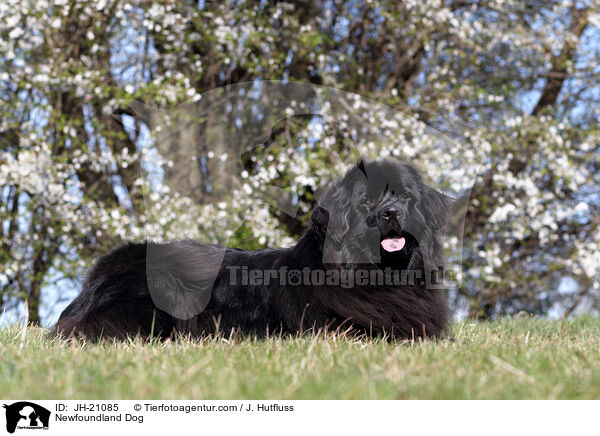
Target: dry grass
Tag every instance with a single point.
(510, 358)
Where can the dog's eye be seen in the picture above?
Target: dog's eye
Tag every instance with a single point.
(404, 197)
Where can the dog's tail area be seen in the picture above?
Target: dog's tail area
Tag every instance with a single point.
(119, 316)
(77, 323)
(71, 327)
(118, 323)
(114, 301)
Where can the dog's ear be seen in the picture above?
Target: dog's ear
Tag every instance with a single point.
(436, 207)
(331, 214)
(320, 220)
(361, 166)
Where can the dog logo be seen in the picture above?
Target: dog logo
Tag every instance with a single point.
(26, 415)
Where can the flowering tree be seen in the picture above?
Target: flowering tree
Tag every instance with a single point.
(511, 86)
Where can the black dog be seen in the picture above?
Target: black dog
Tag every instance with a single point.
(375, 237)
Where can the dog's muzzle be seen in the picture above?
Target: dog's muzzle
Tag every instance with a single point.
(388, 220)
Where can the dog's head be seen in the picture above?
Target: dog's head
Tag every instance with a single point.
(383, 213)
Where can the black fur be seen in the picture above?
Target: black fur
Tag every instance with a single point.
(347, 228)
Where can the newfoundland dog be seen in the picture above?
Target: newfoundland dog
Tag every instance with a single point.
(366, 264)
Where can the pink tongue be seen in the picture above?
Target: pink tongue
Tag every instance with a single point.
(393, 244)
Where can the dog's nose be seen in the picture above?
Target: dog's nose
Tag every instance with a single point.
(389, 214)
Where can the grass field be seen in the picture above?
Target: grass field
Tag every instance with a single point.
(507, 359)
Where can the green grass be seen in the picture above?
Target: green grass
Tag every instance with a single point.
(510, 358)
